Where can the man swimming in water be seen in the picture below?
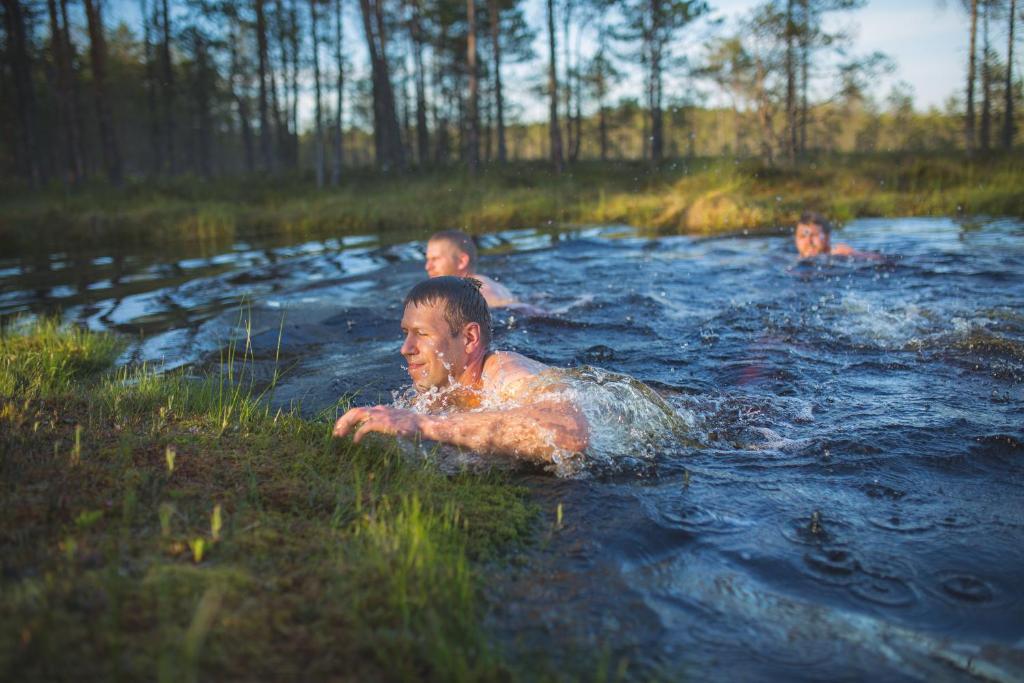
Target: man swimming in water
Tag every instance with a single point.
(813, 236)
(452, 252)
(447, 328)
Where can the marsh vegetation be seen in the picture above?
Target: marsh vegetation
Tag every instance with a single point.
(173, 527)
(703, 196)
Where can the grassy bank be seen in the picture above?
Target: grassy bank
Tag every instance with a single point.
(156, 527)
(698, 196)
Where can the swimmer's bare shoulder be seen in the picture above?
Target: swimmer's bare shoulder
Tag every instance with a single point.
(495, 293)
(539, 391)
(842, 249)
(513, 375)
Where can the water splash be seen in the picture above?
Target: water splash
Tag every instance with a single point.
(629, 423)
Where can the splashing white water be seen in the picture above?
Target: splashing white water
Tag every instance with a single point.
(628, 422)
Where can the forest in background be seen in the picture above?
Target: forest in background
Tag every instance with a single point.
(282, 88)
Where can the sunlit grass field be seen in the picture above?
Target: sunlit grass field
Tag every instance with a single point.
(685, 196)
(166, 527)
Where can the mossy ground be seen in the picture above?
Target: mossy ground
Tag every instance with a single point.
(159, 527)
(697, 195)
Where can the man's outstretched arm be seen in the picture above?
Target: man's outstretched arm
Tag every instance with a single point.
(533, 433)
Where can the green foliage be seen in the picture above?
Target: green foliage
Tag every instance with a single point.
(43, 358)
(268, 550)
(691, 195)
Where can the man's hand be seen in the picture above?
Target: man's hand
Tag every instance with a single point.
(383, 419)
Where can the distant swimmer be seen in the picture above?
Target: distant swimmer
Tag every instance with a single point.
(813, 237)
(452, 252)
(468, 395)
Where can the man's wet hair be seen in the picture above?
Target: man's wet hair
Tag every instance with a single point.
(463, 302)
(461, 240)
(815, 218)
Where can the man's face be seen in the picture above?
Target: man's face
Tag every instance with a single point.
(435, 357)
(811, 240)
(444, 258)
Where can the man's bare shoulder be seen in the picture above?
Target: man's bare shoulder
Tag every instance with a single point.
(511, 363)
(508, 370)
(495, 293)
(842, 249)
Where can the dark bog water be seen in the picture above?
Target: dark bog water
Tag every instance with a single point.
(851, 504)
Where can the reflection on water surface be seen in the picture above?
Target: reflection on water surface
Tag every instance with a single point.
(848, 500)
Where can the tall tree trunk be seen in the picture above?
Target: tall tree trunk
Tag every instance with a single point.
(98, 55)
(554, 131)
(601, 88)
(440, 116)
(202, 97)
(657, 120)
(293, 16)
(691, 138)
(577, 122)
(318, 152)
(645, 116)
(68, 126)
(387, 136)
(63, 161)
(764, 112)
(279, 128)
(266, 143)
(805, 61)
(791, 126)
(473, 112)
(280, 125)
(738, 131)
(155, 132)
(243, 107)
(407, 102)
(577, 118)
(969, 133)
(170, 116)
(50, 133)
(567, 8)
(602, 127)
(76, 106)
(986, 81)
(1008, 122)
(499, 102)
(389, 110)
(461, 112)
(25, 106)
(282, 101)
(487, 128)
(339, 62)
(422, 135)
